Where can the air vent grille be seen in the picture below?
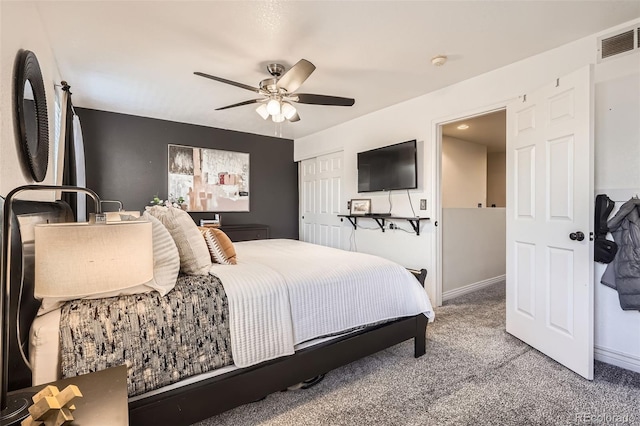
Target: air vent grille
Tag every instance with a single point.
(617, 44)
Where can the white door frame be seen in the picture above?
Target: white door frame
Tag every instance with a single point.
(436, 128)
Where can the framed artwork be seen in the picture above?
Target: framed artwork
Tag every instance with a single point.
(209, 180)
(360, 206)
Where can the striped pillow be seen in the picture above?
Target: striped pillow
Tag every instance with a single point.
(220, 246)
(166, 259)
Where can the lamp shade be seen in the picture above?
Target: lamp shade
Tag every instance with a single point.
(277, 118)
(262, 110)
(273, 107)
(76, 260)
(288, 110)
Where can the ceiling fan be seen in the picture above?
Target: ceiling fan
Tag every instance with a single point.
(279, 92)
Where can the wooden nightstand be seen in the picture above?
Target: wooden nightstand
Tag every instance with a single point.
(104, 397)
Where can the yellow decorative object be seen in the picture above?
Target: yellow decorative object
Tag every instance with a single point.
(52, 407)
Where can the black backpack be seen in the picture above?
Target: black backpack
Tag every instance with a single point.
(604, 250)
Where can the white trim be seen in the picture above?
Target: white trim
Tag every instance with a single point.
(436, 190)
(469, 288)
(317, 154)
(617, 358)
(436, 129)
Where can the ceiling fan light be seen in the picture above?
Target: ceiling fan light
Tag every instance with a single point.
(273, 106)
(277, 118)
(262, 110)
(288, 110)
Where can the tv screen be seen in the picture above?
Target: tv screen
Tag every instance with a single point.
(387, 168)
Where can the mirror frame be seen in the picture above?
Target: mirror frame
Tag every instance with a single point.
(28, 69)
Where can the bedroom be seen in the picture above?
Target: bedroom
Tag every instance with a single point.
(615, 171)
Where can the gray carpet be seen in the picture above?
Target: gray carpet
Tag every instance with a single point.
(474, 373)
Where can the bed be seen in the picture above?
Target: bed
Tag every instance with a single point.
(312, 335)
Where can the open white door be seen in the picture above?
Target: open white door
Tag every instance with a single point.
(549, 218)
(320, 200)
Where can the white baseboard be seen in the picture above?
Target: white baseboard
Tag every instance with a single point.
(471, 287)
(617, 358)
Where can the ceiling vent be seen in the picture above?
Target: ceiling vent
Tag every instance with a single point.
(614, 45)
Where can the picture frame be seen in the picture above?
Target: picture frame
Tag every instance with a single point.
(360, 207)
(209, 180)
(214, 221)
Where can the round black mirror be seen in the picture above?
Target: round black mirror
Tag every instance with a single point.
(31, 114)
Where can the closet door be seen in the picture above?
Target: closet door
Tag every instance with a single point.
(320, 199)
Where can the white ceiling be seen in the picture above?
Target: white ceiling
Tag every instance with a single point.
(487, 129)
(138, 57)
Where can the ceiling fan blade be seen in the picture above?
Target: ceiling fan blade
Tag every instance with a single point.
(252, 101)
(307, 98)
(297, 74)
(295, 118)
(224, 80)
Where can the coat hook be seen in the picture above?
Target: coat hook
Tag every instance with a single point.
(524, 98)
(557, 82)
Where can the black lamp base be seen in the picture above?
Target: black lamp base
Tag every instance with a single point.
(17, 408)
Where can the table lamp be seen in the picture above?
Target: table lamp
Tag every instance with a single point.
(75, 260)
(72, 261)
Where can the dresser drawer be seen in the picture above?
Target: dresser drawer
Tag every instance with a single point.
(246, 232)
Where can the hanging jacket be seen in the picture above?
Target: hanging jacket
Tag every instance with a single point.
(623, 274)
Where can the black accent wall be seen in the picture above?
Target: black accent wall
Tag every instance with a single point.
(126, 159)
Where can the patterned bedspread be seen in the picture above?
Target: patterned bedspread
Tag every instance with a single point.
(161, 339)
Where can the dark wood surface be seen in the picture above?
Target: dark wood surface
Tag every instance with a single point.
(382, 218)
(246, 232)
(104, 397)
(192, 403)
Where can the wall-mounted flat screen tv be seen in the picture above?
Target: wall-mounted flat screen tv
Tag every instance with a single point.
(388, 168)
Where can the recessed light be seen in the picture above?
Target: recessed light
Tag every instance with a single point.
(463, 127)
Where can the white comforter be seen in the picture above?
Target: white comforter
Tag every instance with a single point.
(285, 292)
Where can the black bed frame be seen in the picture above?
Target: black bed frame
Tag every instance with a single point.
(197, 401)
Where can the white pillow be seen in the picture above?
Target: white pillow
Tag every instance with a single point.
(52, 303)
(194, 254)
(166, 259)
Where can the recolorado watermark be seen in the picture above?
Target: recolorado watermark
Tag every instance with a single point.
(605, 418)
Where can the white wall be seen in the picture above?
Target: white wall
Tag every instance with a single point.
(617, 170)
(21, 28)
(616, 159)
(464, 174)
(473, 248)
(497, 179)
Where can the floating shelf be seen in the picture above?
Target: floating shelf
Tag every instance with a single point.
(381, 220)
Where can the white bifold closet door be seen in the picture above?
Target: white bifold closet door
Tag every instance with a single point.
(320, 199)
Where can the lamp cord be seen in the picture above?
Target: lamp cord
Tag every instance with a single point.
(390, 203)
(21, 343)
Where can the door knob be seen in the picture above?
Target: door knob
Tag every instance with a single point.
(579, 236)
